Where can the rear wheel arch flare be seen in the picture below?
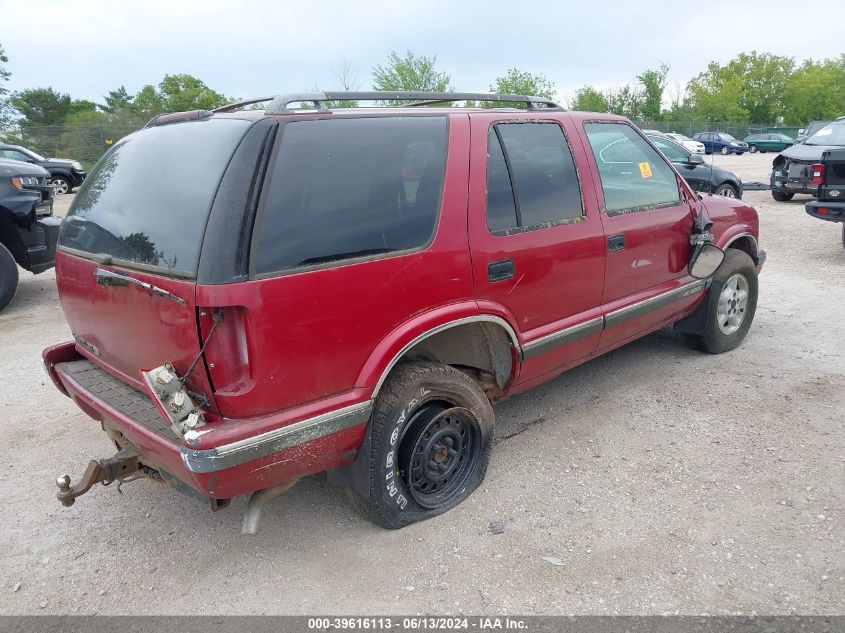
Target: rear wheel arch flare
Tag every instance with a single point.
(483, 343)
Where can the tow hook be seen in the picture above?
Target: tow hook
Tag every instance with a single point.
(118, 468)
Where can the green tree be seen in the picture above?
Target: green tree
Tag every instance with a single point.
(588, 99)
(42, 106)
(5, 106)
(410, 72)
(185, 92)
(517, 82)
(148, 103)
(117, 100)
(79, 105)
(653, 83)
(625, 101)
(816, 91)
(749, 87)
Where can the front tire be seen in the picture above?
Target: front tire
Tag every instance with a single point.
(731, 303)
(752, 149)
(724, 151)
(8, 276)
(780, 196)
(61, 185)
(427, 445)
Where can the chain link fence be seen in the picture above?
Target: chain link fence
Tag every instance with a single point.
(85, 143)
(736, 129)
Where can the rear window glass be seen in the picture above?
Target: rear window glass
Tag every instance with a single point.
(147, 200)
(347, 188)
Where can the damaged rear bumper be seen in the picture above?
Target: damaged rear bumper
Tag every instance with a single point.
(214, 461)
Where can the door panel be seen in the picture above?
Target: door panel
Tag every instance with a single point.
(552, 283)
(655, 241)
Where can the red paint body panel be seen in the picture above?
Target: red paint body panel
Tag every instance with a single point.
(558, 271)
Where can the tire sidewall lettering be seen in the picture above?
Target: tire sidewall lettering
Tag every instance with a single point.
(393, 485)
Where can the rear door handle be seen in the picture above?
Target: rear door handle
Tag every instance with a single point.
(498, 271)
(615, 243)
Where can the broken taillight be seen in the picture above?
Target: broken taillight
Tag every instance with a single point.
(817, 174)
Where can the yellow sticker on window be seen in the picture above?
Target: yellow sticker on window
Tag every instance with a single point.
(645, 170)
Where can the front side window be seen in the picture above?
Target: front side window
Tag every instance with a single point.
(634, 176)
(13, 154)
(349, 188)
(673, 152)
(532, 181)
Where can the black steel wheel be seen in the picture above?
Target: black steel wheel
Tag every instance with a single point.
(438, 453)
(426, 448)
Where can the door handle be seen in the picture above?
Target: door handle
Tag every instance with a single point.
(499, 271)
(615, 243)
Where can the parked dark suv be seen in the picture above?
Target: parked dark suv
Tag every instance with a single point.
(65, 174)
(256, 296)
(28, 230)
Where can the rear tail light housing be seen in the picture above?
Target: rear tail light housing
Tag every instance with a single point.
(817, 174)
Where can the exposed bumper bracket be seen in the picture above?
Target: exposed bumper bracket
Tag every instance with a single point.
(124, 464)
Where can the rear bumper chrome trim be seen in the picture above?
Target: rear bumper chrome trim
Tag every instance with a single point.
(228, 455)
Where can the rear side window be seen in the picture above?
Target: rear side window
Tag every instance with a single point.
(634, 176)
(348, 188)
(531, 178)
(147, 200)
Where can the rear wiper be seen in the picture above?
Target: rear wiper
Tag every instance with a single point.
(111, 278)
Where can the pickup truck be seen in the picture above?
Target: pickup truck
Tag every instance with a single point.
(28, 229)
(829, 176)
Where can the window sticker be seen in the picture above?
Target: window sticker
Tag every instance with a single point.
(645, 170)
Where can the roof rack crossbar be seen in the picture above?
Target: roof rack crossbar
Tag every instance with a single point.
(320, 100)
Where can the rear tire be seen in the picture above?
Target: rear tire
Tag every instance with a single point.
(731, 303)
(427, 445)
(8, 276)
(780, 196)
(727, 190)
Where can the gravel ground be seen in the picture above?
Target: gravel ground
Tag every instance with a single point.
(655, 479)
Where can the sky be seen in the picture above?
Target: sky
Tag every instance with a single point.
(251, 48)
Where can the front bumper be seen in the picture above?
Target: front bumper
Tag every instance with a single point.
(40, 240)
(77, 177)
(830, 211)
(221, 471)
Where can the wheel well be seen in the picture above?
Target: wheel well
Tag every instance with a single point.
(483, 350)
(746, 244)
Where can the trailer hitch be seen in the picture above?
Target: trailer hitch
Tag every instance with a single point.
(121, 466)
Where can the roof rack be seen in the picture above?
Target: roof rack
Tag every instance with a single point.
(320, 100)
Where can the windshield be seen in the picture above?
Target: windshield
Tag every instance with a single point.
(147, 200)
(680, 137)
(833, 134)
(726, 137)
(34, 154)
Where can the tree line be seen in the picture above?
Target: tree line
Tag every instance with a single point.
(752, 87)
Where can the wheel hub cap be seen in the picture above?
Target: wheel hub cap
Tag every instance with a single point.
(733, 304)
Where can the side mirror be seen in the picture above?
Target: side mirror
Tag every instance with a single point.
(705, 261)
(695, 159)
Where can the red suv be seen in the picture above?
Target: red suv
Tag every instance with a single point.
(256, 296)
